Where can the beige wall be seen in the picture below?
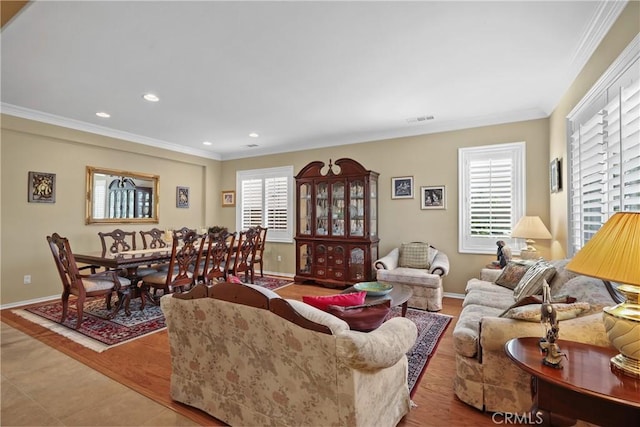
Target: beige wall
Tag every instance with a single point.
(430, 159)
(624, 30)
(32, 146)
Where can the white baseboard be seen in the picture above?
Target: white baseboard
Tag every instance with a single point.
(31, 301)
(452, 295)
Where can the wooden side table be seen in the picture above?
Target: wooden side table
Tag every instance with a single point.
(585, 388)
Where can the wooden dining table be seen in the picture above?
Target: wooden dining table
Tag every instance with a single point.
(128, 260)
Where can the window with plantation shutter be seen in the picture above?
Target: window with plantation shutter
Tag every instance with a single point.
(491, 180)
(266, 198)
(604, 150)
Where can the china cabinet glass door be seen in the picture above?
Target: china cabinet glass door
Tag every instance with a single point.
(356, 208)
(305, 209)
(337, 209)
(373, 208)
(322, 209)
(305, 256)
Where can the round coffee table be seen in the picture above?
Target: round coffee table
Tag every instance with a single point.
(399, 295)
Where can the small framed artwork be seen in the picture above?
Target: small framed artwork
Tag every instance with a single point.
(402, 187)
(42, 187)
(555, 175)
(182, 197)
(433, 197)
(228, 198)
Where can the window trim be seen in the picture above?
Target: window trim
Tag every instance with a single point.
(478, 245)
(589, 105)
(285, 236)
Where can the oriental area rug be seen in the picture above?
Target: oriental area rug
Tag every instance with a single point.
(99, 333)
(431, 327)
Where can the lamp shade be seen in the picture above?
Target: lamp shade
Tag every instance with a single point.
(530, 227)
(613, 253)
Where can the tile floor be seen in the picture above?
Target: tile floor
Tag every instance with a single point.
(43, 387)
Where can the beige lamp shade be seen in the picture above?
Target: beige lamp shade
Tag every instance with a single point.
(613, 253)
(530, 228)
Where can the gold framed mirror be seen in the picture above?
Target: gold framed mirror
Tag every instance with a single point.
(121, 197)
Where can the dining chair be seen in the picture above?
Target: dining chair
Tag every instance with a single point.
(185, 253)
(102, 284)
(117, 241)
(262, 239)
(181, 232)
(243, 256)
(155, 239)
(218, 254)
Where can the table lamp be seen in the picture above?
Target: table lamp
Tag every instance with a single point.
(530, 228)
(613, 255)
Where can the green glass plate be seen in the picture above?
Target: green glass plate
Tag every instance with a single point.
(374, 288)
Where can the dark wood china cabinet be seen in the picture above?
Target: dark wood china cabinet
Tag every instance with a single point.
(337, 223)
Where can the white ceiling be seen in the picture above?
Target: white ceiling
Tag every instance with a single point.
(301, 74)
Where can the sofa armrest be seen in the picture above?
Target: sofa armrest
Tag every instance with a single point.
(380, 348)
(496, 331)
(440, 264)
(389, 261)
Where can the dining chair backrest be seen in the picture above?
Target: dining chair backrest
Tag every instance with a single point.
(185, 252)
(181, 232)
(117, 241)
(65, 263)
(262, 239)
(153, 239)
(219, 249)
(246, 250)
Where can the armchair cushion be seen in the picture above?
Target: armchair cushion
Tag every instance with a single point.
(414, 255)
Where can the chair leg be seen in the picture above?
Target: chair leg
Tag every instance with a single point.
(65, 305)
(80, 310)
(261, 272)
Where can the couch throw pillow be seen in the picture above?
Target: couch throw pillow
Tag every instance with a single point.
(343, 300)
(234, 279)
(531, 282)
(531, 313)
(414, 255)
(363, 318)
(511, 275)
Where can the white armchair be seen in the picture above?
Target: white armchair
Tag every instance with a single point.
(417, 265)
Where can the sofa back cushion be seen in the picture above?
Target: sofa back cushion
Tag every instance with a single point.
(416, 255)
(534, 277)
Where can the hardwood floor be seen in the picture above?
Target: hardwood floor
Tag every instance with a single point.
(144, 365)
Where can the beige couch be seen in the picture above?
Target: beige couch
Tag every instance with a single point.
(249, 358)
(485, 376)
(426, 283)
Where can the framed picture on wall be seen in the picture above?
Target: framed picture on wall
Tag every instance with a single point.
(228, 198)
(182, 197)
(41, 187)
(433, 197)
(555, 175)
(402, 187)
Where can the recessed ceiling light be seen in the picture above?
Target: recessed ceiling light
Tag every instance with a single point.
(253, 135)
(207, 143)
(103, 114)
(151, 97)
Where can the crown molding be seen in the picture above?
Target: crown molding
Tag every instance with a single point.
(26, 113)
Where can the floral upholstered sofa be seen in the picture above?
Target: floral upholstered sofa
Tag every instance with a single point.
(248, 357)
(420, 266)
(485, 377)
